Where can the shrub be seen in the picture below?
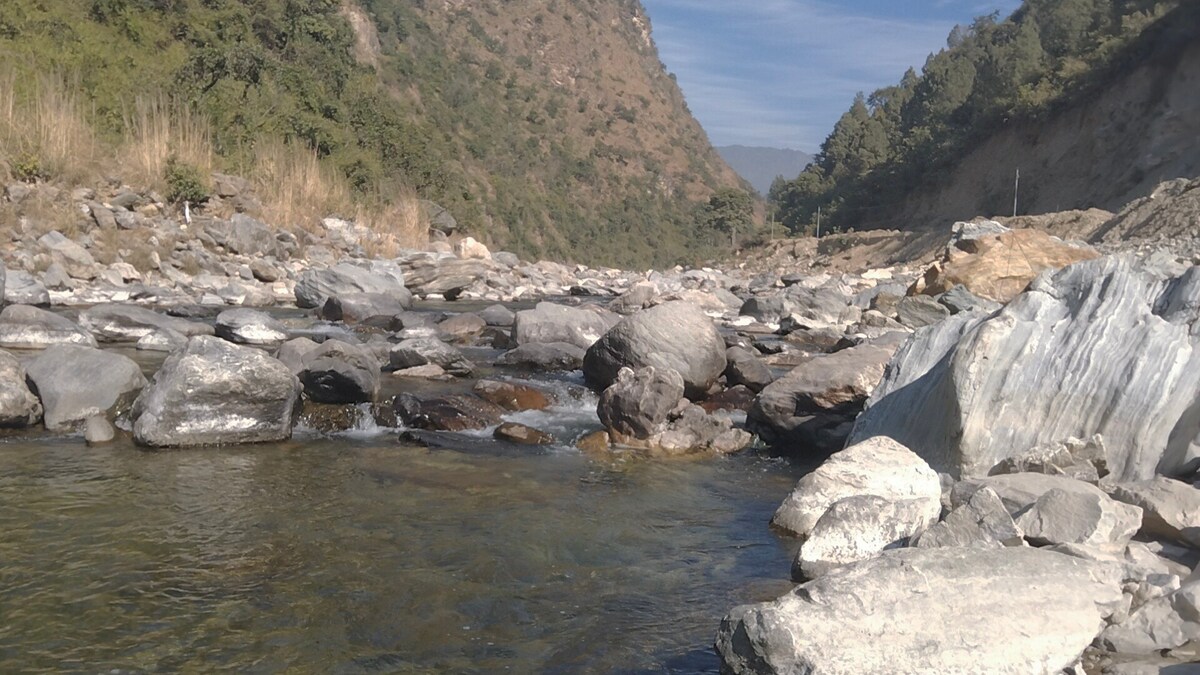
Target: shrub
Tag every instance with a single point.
(185, 183)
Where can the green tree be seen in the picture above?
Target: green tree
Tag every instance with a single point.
(729, 210)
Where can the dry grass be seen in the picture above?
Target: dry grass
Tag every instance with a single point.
(44, 130)
(161, 128)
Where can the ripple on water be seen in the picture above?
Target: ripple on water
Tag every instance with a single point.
(355, 554)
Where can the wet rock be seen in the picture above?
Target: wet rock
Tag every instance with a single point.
(551, 323)
(857, 528)
(947, 610)
(356, 308)
(457, 412)
(877, 466)
(975, 390)
(315, 286)
(421, 351)
(499, 316)
(674, 335)
(336, 372)
(1074, 517)
(522, 435)
(549, 356)
(735, 398)
(594, 443)
(249, 327)
(982, 522)
(462, 327)
(214, 392)
(429, 371)
(638, 402)
(25, 327)
(511, 396)
(130, 323)
(328, 418)
(20, 288)
(97, 430)
(76, 382)
(19, 407)
(814, 405)
(1170, 508)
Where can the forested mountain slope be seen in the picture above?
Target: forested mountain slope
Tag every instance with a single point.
(1095, 101)
(550, 128)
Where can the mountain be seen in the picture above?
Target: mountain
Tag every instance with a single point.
(548, 128)
(761, 166)
(1093, 102)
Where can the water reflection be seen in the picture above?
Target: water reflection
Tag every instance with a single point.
(359, 555)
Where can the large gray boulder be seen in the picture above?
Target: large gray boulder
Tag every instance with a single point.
(20, 288)
(246, 326)
(551, 323)
(638, 403)
(214, 392)
(76, 382)
(1010, 611)
(982, 522)
(1163, 623)
(130, 323)
(1101, 347)
(74, 258)
(19, 407)
(1076, 517)
(27, 327)
(354, 308)
(877, 466)
(544, 356)
(337, 372)
(1170, 508)
(426, 350)
(674, 335)
(244, 235)
(813, 407)
(314, 286)
(860, 527)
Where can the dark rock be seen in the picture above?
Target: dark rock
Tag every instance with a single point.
(522, 435)
(511, 396)
(457, 412)
(638, 402)
(214, 392)
(336, 372)
(544, 356)
(331, 418)
(738, 397)
(675, 335)
(744, 368)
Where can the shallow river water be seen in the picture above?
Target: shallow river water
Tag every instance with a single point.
(357, 553)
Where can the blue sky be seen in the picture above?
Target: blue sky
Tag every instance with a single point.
(779, 73)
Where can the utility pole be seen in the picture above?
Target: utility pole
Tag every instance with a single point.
(818, 221)
(1016, 190)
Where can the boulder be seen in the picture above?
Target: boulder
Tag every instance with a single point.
(462, 327)
(26, 327)
(421, 351)
(1163, 623)
(938, 610)
(551, 323)
(162, 340)
(214, 392)
(1078, 517)
(982, 522)
(432, 274)
(959, 299)
(857, 528)
(638, 402)
(20, 288)
(544, 356)
(920, 311)
(337, 372)
(877, 466)
(97, 430)
(744, 368)
(243, 235)
(245, 326)
(355, 308)
(467, 247)
(130, 323)
(456, 412)
(315, 286)
(74, 258)
(512, 396)
(1170, 508)
(294, 353)
(498, 315)
(814, 405)
(75, 382)
(674, 335)
(19, 407)
(521, 434)
(1101, 347)
(998, 266)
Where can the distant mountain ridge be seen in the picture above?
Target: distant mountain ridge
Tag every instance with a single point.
(761, 165)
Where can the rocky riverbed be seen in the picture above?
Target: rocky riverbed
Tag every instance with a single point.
(1006, 427)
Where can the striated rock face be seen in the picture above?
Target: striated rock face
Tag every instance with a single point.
(1102, 347)
(214, 392)
(936, 610)
(673, 335)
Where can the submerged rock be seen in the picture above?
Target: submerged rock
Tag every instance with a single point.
(214, 392)
(945, 610)
(522, 435)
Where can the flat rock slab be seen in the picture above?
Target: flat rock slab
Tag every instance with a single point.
(1008, 611)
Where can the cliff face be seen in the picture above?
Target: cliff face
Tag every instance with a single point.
(1140, 129)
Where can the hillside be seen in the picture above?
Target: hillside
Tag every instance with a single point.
(761, 166)
(551, 129)
(1095, 102)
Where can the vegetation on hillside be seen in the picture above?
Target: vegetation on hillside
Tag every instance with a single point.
(547, 128)
(1047, 54)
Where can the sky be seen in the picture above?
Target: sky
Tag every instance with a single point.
(779, 73)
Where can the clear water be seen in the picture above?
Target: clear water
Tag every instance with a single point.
(357, 554)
